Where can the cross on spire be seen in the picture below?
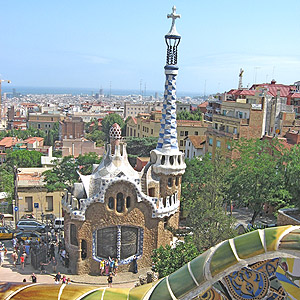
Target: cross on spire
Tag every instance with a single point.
(174, 16)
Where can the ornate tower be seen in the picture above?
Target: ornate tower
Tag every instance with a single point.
(167, 161)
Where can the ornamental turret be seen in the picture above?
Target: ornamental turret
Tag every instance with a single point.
(166, 158)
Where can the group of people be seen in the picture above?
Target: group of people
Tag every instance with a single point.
(109, 266)
(61, 279)
(21, 251)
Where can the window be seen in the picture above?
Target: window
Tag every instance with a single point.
(49, 201)
(171, 160)
(73, 235)
(218, 144)
(39, 126)
(181, 133)
(196, 132)
(128, 202)
(181, 143)
(29, 204)
(130, 242)
(120, 202)
(177, 181)
(163, 159)
(210, 141)
(216, 125)
(235, 130)
(170, 182)
(151, 131)
(111, 203)
(186, 133)
(224, 112)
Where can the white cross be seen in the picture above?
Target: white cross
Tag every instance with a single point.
(173, 15)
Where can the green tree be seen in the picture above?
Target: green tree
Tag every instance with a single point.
(64, 174)
(290, 168)
(195, 115)
(167, 260)
(204, 199)
(97, 136)
(108, 121)
(6, 182)
(139, 147)
(256, 178)
(23, 159)
(85, 162)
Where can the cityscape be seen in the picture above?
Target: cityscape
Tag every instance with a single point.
(132, 191)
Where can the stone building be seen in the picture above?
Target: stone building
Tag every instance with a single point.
(118, 212)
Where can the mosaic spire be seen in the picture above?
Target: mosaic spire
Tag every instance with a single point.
(167, 140)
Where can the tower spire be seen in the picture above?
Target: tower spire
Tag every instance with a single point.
(167, 140)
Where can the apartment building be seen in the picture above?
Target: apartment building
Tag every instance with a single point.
(33, 196)
(71, 128)
(148, 125)
(44, 121)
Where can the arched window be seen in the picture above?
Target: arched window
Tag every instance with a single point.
(176, 180)
(179, 159)
(73, 235)
(171, 160)
(111, 203)
(128, 202)
(163, 159)
(120, 202)
(170, 181)
(83, 249)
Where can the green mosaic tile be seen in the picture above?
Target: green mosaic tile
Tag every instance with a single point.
(161, 291)
(197, 267)
(249, 245)
(222, 259)
(181, 282)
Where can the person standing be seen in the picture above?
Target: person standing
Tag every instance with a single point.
(57, 278)
(135, 266)
(22, 260)
(3, 252)
(102, 266)
(33, 278)
(110, 279)
(116, 267)
(54, 264)
(14, 257)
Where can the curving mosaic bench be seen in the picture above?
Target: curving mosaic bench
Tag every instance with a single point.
(262, 264)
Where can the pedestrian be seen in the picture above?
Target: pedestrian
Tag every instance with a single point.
(111, 264)
(33, 278)
(135, 266)
(52, 251)
(3, 252)
(22, 260)
(54, 264)
(106, 267)
(64, 279)
(43, 270)
(102, 266)
(116, 265)
(27, 251)
(14, 257)
(110, 279)
(69, 281)
(57, 278)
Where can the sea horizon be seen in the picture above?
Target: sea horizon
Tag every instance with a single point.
(26, 90)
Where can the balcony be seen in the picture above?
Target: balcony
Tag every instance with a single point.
(222, 132)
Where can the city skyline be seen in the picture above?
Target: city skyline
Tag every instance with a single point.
(121, 45)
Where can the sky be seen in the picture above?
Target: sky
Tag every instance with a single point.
(98, 44)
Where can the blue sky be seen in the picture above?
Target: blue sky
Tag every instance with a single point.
(91, 43)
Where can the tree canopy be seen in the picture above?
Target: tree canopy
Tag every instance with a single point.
(195, 115)
(204, 192)
(256, 178)
(64, 174)
(23, 159)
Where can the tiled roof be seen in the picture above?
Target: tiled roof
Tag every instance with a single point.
(273, 87)
(31, 140)
(295, 95)
(198, 141)
(8, 141)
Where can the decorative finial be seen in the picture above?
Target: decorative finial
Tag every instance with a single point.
(174, 16)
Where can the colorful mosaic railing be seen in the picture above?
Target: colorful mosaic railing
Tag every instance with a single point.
(251, 266)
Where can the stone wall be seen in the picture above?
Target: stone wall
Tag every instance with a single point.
(284, 217)
(99, 215)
